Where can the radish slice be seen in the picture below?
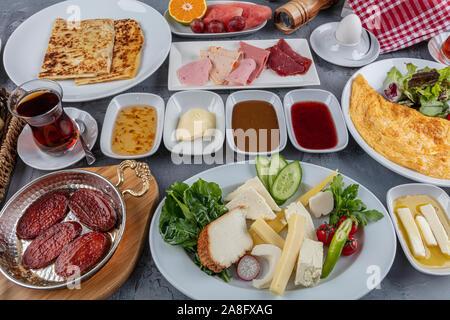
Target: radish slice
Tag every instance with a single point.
(248, 268)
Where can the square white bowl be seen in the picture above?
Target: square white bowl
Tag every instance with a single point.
(178, 104)
(118, 103)
(327, 98)
(417, 189)
(260, 95)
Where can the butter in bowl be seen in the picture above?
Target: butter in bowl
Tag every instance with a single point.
(194, 123)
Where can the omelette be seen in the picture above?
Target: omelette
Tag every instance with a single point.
(78, 49)
(128, 43)
(399, 133)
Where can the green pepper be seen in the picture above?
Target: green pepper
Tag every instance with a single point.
(336, 246)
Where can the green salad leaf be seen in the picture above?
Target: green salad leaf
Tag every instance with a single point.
(346, 204)
(186, 211)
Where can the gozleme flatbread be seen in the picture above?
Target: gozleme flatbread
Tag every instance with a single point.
(79, 49)
(126, 58)
(401, 134)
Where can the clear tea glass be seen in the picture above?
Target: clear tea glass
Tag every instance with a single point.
(38, 102)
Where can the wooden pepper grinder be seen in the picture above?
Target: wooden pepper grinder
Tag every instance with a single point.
(292, 15)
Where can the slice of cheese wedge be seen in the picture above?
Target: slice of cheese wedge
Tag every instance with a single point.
(255, 204)
(266, 233)
(289, 255)
(415, 240)
(436, 226)
(298, 208)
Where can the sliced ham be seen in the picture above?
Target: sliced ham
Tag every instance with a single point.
(240, 75)
(223, 62)
(195, 73)
(222, 13)
(259, 55)
(253, 14)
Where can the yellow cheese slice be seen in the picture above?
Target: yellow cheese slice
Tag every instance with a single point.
(289, 255)
(266, 233)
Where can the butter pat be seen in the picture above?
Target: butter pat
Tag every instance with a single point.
(415, 239)
(194, 124)
(309, 265)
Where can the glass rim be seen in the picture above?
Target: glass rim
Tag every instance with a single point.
(60, 94)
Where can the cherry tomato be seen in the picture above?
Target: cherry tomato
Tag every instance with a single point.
(197, 26)
(354, 225)
(325, 233)
(448, 116)
(350, 246)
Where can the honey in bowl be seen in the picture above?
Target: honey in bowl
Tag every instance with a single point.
(134, 130)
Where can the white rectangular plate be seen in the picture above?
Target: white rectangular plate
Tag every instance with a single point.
(182, 53)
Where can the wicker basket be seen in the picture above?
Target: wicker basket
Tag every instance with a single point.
(9, 134)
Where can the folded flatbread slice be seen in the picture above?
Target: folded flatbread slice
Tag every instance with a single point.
(128, 43)
(78, 49)
(223, 61)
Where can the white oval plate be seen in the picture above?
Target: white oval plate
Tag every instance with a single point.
(349, 279)
(178, 104)
(30, 153)
(118, 103)
(333, 106)
(26, 47)
(375, 74)
(261, 95)
(185, 31)
(410, 189)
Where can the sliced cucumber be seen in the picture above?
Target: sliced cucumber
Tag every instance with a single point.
(262, 169)
(277, 163)
(287, 182)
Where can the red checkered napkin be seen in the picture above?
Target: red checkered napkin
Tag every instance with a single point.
(399, 24)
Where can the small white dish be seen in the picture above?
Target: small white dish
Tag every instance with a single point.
(185, 31)
(327, 98)
(323, 42)
(410, 189)
(435, 45)
(178, 104)
(261, 95)
(118, 103)
(30, 153)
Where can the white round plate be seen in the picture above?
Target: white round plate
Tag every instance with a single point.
(185, 31)
(375, 74)
(325, 45)
(30, 153)
(422, 189)
(435, 45)
(26, 47)
(349, 279)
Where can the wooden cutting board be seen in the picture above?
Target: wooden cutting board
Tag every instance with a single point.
(114, 273)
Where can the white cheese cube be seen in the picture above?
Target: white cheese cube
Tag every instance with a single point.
(412, 231)
(321, 204)
(298, 208)
(309, 265)
(437, 228)
(425, 229)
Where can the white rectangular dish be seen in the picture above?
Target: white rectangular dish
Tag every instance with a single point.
(182, 53)
(178, 104)
(118, 103)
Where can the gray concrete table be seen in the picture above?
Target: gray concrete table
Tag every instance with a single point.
(146, 282)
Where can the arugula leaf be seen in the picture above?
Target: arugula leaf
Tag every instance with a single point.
(346, 204)
(186, 211)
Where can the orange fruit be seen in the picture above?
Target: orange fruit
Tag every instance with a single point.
(184, 11)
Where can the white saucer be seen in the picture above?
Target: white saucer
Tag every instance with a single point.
(30, 153)
(434, 47)
(325, 45)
